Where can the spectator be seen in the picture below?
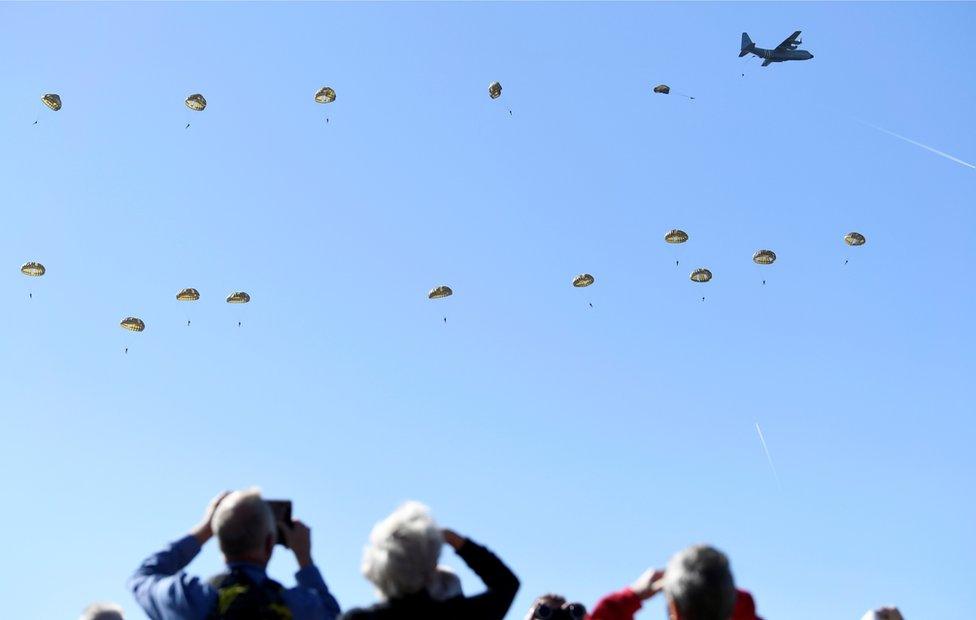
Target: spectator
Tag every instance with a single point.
(401, 561)
(102, 611)
(697, 583)
(555, 607)
(246, 531)
(883, 613)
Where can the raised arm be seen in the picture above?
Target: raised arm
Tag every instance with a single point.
(501, 581)
(161, 587)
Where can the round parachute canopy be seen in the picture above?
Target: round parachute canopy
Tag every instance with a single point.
(52, 101)
(662, 89)
(132, 324)
(854, 238)
(583, 280)
(676, 236)
(440, 292)
(240, 297)
(196, 102)
(33, 269)
(325, 95)
(495, 90)
(701, 275)
(764, 257)
(188, 294)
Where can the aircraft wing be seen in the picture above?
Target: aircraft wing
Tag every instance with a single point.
(790, 43)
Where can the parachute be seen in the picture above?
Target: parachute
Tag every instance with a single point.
(676, 236)
(495, 90)
(239, 297)
(52, 101)
(196, 102)
(701, 275)
(440, 292)
(662, 89)
(325, 95)
(132, 324)
(33, 269)
(583, 280)
(764, 257)
(854, 238)
(189, 294)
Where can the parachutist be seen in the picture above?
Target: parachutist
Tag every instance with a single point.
(845, 261)
(703, 299)
(675, 263)
(35, 122)
(127, 350)
(764, 283)
(188, 323)
(445, 319)
(510, 113)
(30, 295)
(327, 119)
(239, 324)
(187, 126)
(591, 305)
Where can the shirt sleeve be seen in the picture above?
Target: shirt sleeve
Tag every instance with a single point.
(163, 590)
(621, 605)
(311, 599)
(501, 581)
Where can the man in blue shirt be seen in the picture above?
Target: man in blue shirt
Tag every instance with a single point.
(246, 530)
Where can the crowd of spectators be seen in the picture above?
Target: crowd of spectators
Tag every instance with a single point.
(402, 562)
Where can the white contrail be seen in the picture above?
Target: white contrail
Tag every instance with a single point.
(924, 146)
(762, 440)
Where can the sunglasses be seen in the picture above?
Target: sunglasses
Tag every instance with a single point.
(571, 611)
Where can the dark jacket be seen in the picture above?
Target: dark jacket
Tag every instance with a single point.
(490, 605)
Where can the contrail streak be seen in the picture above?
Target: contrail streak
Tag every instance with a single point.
(762, 440)
(924, 146)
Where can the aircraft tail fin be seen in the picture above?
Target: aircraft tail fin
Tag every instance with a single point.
(747, 45)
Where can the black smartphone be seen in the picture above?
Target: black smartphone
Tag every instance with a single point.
(281, 509)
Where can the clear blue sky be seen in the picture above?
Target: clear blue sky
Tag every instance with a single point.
(583, 445)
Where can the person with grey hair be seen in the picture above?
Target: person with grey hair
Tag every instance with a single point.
(102, 611)
(246, 530)
(401, 562)
(697, 584)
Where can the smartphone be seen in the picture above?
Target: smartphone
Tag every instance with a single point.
(281, 509)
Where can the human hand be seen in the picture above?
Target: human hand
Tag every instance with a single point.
(298, 537)
(648, 584)
(203, 531)
(453, 539)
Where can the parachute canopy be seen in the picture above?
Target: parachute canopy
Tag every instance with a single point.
(854, 238)
(583, 280)
(325, 95)
(52, 101)
(662, 89)
(764, 257)
(196, 102)
(440, 292)
(495, 90)
(188, 294)
(240, 297)
(676, 236)
(701, 275)
(132, 324)
(33, 269)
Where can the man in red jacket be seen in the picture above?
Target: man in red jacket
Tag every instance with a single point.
(704, 568)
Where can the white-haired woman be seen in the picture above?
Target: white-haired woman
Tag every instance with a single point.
(401, 561)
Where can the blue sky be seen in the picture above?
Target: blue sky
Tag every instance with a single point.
(583, 445)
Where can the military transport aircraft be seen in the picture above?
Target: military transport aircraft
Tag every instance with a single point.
(783, 52)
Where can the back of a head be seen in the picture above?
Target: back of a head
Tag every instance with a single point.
(102, 611)
(699, 582)
(401, 557)
(242, 523)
